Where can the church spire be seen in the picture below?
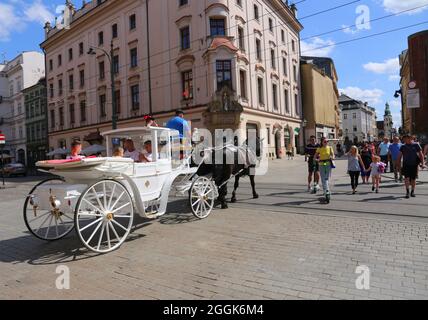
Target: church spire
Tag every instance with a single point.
(387, 110)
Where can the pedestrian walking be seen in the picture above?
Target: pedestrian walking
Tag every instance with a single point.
(366, 156)
(313, 165)
(383, 151)
(377, 167)
(355, 163)
(412, 156)
(325, 157)
(394, 151)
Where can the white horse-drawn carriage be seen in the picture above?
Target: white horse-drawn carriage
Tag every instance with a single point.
(98, 196)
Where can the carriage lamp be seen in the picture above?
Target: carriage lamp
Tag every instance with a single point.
(34, 202)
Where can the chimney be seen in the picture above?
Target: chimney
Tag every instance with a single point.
(47, 28)
(293, 9)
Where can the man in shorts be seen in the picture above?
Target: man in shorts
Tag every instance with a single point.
(412, 156)
(313, 166)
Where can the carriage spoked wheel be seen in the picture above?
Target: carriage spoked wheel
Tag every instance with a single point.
(49, 224)
(104, 216)
(202, 197)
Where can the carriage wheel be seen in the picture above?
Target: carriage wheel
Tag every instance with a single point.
(104, 216)
(51, 224)
(202, 197)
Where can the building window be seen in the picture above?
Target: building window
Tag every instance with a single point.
(293, 45)
(296, 103)
(270, 25)
(185, 38)
(71, 82)
(132, 22)
(82, 78)
(70, 54)
(282, 36)
(239, 3)
(100, 38)
(183, 2)
(355, 129)
(59, 60)
(50, 65)
(256, 12)
(272, 57)
(52, 119)
(117, 101)
(345, 116)
(61, 116)
(287, 103)
(134, 57)
(82, 111)
(114, 31)
(135, 97)
(260, 91)
(224, 74)
(295, 73)
(81, 48)
(187, 84)
(101, 70)
(268, 135)
(72, 114)
(241, 42)
(116, 64)
(275, 96)
(217, 27)
(284, 66)
(243, 84)
(51, 90)
(103, 105)
(60, 86)
(259, 49)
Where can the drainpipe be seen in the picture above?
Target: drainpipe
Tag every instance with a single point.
(148, 57)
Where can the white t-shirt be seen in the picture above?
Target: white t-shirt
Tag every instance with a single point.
(134, 155)
(148, 156)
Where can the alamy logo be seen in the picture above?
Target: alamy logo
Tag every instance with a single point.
(363, 280)
(62, 282)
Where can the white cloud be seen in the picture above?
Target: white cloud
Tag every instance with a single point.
(396, 118)
(395, 104)
(348, 29)
(38, 12)
(390, 66)
(372, 96)
(317, 47)
(396, 6)
(394, 77)
(17, 14)
(9, 21)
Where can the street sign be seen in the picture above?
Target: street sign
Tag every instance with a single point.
(413, 99)
(2, 139)
(412, 84)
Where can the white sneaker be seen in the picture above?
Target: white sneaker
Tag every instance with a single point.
(317, 187)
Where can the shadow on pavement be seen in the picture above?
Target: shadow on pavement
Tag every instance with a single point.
(30, 250)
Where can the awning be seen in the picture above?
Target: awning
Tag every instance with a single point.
(94, 149)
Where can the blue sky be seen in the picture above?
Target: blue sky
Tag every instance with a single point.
(368, 69)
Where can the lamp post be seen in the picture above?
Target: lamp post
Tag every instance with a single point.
(304, 125)
(113, 90)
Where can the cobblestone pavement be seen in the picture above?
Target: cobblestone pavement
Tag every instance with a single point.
(285, 245)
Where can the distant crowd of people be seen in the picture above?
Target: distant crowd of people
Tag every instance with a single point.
(402, 156)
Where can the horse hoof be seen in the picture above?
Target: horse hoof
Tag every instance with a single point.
(224, 206)
(255, 196)
(233, 200)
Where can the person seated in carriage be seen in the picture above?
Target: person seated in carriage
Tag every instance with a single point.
(147, 154)
(150, 121)
(130, 151)
(76, 149)
(118, 152)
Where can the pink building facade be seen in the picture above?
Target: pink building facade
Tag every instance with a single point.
(226, 63)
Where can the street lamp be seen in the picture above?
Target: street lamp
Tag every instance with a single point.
(113, 91)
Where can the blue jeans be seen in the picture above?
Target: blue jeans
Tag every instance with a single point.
(325, 172)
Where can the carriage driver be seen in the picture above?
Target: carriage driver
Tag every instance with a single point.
(146, 155)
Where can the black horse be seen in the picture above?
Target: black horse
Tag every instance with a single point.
(244, 163)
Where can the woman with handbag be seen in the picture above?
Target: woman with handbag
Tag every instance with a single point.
(325, 158)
